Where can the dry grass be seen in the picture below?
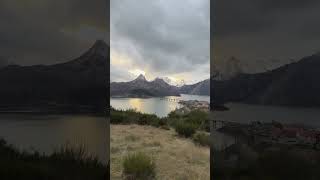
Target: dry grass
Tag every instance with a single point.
(175, 157)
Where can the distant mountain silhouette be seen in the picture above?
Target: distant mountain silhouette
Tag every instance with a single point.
(140, 87)
(295, 84)
(200, 88)
(77, 85)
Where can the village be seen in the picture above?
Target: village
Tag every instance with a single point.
(273, 133)
(277, 133)
(190, 105)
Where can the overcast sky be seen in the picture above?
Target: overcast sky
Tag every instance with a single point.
(50, 31)
(265, 33)
(160, 38)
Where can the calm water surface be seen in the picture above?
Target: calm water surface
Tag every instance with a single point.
(161, 106)
(48, 132)
(244, 113)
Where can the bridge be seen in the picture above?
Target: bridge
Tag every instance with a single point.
(217, 124)
(170, 99)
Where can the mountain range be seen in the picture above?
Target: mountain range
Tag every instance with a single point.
(140, 87)
(76, 85)
(294, 84)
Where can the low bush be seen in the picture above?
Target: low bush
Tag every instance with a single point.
(201, 138)
(198, 118)
(185, 129)
(138, 166)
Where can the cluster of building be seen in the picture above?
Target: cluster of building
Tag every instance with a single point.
(194, 105)
(284, 134)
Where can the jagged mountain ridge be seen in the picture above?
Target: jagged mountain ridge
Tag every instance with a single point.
(140, 87)
(200, 88)
(77, 83)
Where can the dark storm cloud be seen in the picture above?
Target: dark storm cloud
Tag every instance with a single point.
(168, 36)
(246, 16)
(262, 32)
(48, 31)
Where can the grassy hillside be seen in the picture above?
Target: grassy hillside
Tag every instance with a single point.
(175, 157)
(66, 163)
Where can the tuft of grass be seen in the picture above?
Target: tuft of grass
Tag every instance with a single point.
(65, 163)
(132, 138)
(201, 138)
(138, 166)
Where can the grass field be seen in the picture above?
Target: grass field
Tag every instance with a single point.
(175, 157)
(66, 163)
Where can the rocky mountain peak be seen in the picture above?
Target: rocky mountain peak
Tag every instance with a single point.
(141, 77)
(99, 48)
(160, 80)
(97, 55)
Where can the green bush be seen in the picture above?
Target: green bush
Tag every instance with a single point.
(198, 118)
(138, 166)
(202, 139)
(185, 129)
(116, 117)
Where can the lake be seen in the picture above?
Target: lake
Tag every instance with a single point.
(161, 106)
(45, 133)
(244, 113)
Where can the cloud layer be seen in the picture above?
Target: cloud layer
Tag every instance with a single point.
(161, 37)
(264, 33)
(49, 31)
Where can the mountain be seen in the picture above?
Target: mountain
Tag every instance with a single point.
(200, 88)
(294, 84)
(76, 85)
(229, 69)
(174, 83)
(140, 87)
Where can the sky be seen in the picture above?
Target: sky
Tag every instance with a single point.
(160, 38)
(50, 31)
(264, 34)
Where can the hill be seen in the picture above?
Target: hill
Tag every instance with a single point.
(77, 85)
(294, 84)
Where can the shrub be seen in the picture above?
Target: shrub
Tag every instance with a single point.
(202, 139)
(138, 166)
(116, 117)
(185, 129)
(198, 118)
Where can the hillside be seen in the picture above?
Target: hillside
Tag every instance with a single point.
(295, 84)
(200, 88)
(174, 156)
(77, 85)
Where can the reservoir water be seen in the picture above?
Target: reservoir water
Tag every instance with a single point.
(161, 106)
(244, 113)
(45, 133)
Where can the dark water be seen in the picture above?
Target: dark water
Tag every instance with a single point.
(244, 113)
(157, 105)
(46, 133)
